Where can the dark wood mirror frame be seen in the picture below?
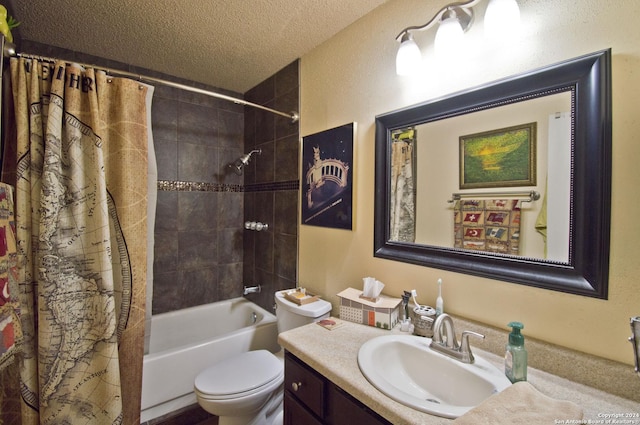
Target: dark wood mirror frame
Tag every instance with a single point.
(588, 78)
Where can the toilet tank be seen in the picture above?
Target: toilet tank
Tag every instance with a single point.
(291, 315)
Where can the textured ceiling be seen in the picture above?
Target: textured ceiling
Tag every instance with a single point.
(229, 44)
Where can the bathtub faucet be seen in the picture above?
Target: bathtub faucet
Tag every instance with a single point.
(252, 290)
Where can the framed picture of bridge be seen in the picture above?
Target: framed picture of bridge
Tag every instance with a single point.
(327, 177)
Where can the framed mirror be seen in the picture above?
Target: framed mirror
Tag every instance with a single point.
(508, 181)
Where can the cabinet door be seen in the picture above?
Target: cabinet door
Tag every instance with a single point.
(345, 410)
(305, 384)
(295, 413)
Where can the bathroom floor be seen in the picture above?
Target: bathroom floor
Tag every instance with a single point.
(193, 415)
(210, 421)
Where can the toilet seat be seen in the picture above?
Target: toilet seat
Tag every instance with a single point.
(240, 376)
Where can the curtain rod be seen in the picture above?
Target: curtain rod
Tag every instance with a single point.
(9, 50)
(529, 196)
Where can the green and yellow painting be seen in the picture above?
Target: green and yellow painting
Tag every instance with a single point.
(499, 158)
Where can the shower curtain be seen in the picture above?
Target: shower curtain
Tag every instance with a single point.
(80, 166)
(403, 188)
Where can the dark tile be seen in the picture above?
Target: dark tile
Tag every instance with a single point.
(230, 210)
(165, 252)
(197, 124)
(230, 281)
(230, 245)
(263, 92)
(265, 298)
(166, 153)
(281, 283)
(264, 208)
(201, 99)
(284, 126)
(166, 290)
(230, 129)
(286, 212)
(195, 211)
(286, 159)
(287, 78)
(198, 286)
(167, 211)
(197, 249)
(264, 163)
(248, 273)
(265, 125)
(249, 127)
(285, 256)
(164, 118)
(250, 206)
(248, 257)
(164, 91)
(264, 251)
(196, 163)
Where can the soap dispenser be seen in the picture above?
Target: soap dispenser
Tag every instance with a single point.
(515, 358)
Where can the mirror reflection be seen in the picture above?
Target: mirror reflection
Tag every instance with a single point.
(496, 180)
(545, 132)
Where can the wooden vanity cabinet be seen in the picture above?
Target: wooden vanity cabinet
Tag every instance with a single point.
(310, 398)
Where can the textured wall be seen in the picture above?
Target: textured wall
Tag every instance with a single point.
(352, 78)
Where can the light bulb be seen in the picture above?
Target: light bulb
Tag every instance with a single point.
(449, 36)
(501, 19)
(408, 57)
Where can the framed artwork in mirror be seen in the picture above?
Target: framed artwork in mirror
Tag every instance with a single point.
(327, 177)
(504, 157)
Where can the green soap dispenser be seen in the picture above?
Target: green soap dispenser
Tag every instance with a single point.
(515, 358)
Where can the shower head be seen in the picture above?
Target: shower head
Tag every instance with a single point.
(240, 163)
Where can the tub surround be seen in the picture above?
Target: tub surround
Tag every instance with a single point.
(311, 344)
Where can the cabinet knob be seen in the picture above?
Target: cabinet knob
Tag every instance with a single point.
(296, 386)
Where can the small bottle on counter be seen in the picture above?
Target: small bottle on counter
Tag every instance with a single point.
(515, 358)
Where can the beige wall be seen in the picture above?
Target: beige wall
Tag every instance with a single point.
(351, 78)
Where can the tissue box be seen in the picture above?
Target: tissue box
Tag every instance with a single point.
(382, 314)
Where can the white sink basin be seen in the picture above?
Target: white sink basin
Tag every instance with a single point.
(405, 369)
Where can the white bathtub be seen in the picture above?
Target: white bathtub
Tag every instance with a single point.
(185, 342)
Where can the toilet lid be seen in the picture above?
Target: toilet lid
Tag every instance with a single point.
(239, 374)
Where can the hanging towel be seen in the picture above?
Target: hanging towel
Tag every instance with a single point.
(521, 403)
(490, 225)
(9, 323)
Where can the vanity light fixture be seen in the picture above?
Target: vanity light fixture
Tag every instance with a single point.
(501, 17)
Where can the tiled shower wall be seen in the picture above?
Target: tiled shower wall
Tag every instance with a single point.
(271, 186)
(200, 241)
(198, 233)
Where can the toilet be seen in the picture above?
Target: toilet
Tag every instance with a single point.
(248, 389)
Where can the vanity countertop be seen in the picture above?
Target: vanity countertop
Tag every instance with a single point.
(333, 353)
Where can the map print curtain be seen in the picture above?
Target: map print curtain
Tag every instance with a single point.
(81, 210)
(403, 194)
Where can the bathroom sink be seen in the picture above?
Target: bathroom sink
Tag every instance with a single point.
(404, 368)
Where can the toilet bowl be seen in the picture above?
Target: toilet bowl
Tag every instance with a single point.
(245, 389)
(248, 389)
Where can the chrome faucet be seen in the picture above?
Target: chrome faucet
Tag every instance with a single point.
(251, 290)
(444, 340)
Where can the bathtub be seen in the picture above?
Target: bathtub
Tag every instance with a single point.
(185, 342)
